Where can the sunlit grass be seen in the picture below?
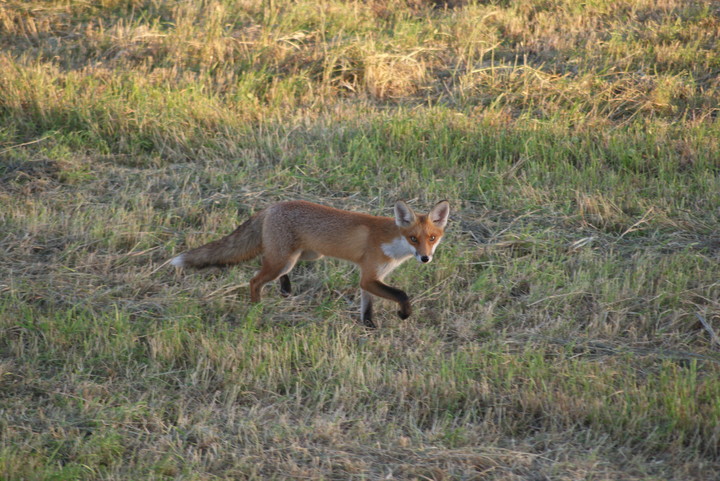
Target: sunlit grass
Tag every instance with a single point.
(562, 332)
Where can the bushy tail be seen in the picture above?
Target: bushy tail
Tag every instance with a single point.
(243, 244)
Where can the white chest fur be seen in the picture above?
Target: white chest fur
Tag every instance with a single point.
(399, 248)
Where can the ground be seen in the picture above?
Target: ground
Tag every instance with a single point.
(566, 328)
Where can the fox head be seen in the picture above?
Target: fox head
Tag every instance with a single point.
(422, 232)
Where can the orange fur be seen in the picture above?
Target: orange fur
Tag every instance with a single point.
(290, 231)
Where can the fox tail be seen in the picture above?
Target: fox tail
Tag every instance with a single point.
(242, 244)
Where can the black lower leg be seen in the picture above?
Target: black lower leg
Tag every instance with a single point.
(367, 314)
(285, 287)
(396, 295)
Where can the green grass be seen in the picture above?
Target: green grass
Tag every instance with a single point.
(557, 334)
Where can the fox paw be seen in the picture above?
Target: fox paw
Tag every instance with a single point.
(369, 324)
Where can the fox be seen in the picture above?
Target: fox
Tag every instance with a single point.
(287, 232)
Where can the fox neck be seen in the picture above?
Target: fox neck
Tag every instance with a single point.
(399, 248)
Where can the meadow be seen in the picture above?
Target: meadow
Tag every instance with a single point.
(567, 328)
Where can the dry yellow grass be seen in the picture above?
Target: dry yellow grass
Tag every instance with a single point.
(566, 329)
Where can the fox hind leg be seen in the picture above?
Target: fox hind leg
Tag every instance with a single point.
(270, 271)
(285, 285)
(310, 256)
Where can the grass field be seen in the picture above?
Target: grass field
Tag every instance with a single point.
(566, 329)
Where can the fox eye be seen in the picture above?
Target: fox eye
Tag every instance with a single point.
(432, 238)
(413, 238)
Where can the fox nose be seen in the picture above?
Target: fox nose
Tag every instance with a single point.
(425, 258)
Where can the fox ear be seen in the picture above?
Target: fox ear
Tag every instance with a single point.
(440, 213)
(404, 215)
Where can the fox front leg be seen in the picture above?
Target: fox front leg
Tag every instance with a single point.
(380, 289)
(366, 307)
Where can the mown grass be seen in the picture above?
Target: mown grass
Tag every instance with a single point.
(560, 333)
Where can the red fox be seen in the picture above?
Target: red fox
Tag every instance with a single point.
(298, 230)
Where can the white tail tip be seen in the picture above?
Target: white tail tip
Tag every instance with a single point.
(178, 261)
